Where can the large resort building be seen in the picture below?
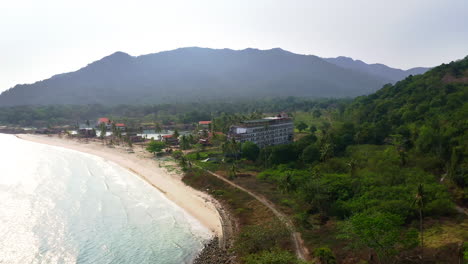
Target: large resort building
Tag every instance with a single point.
(264, 132)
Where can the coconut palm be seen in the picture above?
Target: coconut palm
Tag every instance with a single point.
(233, 171)
(157, 128)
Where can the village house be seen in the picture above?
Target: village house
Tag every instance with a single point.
(170, 140)
(108, 123)
(264, 132)
(204, 125)
(104, 120)
(86, 131)
(120, 126)
(207, 141)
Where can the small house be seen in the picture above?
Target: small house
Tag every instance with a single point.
(170, 139)
(86, 131)
(104, 120)
(204, 125)
(121, 126)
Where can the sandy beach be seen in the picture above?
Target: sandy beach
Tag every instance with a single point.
(198, 204)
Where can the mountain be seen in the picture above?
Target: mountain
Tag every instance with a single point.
(431, 109)
(392, 75)
(196, 74)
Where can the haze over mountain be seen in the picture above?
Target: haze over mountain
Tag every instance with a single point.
(392, 75)
(188, 74)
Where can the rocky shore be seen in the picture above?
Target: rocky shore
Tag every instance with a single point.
(212, 253)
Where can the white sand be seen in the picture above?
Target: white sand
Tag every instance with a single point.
(198, 204)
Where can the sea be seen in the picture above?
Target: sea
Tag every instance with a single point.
(62, 206)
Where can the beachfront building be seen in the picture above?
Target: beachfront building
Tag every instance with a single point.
(170, 140)
(104, 120)
(86, 131)
(264, 132)
(120, 126)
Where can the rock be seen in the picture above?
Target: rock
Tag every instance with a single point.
(213, 254)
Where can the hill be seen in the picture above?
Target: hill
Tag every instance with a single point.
(193, 74)
(426, 114)
(392, 75)
(438, 96)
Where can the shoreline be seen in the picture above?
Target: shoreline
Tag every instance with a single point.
(196, 203)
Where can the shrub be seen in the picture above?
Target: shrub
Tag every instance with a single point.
(325, 255)
(250, 150)
(257, 238)
(275, 256)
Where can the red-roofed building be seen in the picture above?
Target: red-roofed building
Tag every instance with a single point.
(104, 120)
(204, 125)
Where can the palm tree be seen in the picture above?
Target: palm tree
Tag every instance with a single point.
(114, 130)
(233, 171)
(157, 128)
(183, 162)
(176, 133)
(326, 151)
(184, 143)
(231, 148)
(286, 182)
(419, 202)
(103, 130)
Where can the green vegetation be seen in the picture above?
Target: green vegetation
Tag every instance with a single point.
(301, 126)
(258, 238)
(277, 256)
(375, 179)
(224, 113)
(381, 232)
(155, 147)
(370, 172)
(325, 255)
(250, 151)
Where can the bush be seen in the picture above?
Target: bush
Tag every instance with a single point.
(282, 154)
(177, 154)
(311, 154)
(155, 146)
(276, 256)
(250, 150)
(257, 238)
(325, 255)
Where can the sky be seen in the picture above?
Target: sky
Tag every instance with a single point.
(41, 38)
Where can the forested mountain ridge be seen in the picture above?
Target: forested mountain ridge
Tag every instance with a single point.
(439, 95)
(426, 113)
(392, 75)
(195, 74)
(383, 174)
(364, 178)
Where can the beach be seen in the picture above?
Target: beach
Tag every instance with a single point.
(198, 204)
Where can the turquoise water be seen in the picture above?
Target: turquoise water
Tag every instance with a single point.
(63, 206)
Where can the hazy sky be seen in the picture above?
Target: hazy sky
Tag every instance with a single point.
(43, 38)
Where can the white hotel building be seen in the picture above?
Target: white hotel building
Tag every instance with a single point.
(264, 132)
